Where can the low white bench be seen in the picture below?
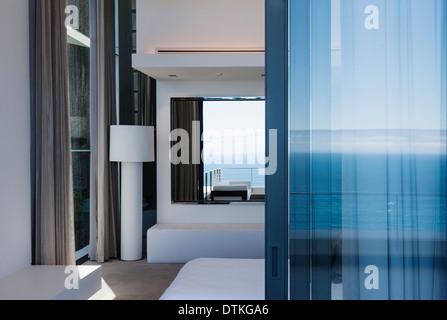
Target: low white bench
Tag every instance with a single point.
(181, 243)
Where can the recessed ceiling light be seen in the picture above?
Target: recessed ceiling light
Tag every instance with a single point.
(173, 76)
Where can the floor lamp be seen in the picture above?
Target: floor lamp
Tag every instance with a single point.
(131, 145)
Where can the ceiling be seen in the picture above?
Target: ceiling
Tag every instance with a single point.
(202, 66)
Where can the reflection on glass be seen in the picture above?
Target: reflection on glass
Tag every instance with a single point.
(81, 195)
(79, 94)
(79, 85)
(368, 177)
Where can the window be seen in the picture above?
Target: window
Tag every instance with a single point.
(367, 149)
(218, 150)
(79, 94)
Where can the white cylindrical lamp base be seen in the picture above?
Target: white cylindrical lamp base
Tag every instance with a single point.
(131, 211)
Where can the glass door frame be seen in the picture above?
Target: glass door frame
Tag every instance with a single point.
(277, 190)
(281, 280)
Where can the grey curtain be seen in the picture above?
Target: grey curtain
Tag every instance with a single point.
(187, 177)
(103, 174)
(393, 161)
(374, 102)
(54, 213)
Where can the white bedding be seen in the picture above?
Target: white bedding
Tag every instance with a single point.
(219, 279)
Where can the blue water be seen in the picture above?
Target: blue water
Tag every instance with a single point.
(368, 192)
(361, 191)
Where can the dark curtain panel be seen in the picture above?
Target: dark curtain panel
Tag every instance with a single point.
(104, 174)
(188, 177)
(54, 216)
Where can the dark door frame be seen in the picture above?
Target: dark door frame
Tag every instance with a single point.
(277, 191)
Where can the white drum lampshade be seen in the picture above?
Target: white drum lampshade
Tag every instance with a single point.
(132, 145)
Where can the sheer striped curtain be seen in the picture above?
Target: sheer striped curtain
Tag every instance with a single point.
(103, 174)
(393, 120)
(53, 213)
(368, 149)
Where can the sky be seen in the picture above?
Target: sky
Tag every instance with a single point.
(384, 78)
(233, 129)
(387, 78)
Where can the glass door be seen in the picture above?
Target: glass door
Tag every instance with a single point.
(367, 149)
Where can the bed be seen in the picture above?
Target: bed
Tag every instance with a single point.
(219, 279)
(231, 191)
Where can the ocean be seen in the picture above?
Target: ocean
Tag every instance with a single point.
(365, 191)
(399, 192)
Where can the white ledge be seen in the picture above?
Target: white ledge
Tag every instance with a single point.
(201, 66)
(48, 283)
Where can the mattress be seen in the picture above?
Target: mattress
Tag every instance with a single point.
(238, 185)
(230, 187)
(219, 279)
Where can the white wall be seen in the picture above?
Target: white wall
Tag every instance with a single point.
(229, 24)
(200, 24)
(190, 213)
(15, 224)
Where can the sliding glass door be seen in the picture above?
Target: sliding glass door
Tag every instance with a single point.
(367, 149)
